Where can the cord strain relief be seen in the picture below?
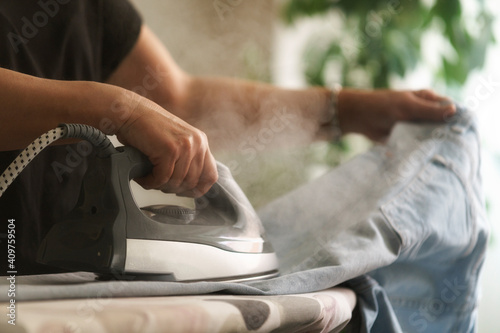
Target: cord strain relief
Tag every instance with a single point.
(97, 138)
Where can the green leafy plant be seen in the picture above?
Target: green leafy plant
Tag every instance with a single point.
(382, 39)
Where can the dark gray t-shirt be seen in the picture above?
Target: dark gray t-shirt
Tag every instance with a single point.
(64, 40)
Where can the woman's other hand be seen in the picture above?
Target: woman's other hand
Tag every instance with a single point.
(374, 113)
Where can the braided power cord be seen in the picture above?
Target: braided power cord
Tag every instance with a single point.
(89, 133)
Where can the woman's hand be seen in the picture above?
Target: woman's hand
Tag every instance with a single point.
(182, 161)
(374, 113)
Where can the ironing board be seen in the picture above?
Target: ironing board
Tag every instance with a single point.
(325, 311)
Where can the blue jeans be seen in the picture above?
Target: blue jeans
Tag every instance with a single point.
(406, 218)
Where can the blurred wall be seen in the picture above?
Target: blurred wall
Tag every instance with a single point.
(214, 37)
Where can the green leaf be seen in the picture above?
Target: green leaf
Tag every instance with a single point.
(456, 72)
(295, 9)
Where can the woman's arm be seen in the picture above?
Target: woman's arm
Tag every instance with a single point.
(233, 111)
(228, 110)
(180, 154)
(374, 113)
(31, 106)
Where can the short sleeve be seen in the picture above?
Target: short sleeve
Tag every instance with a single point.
(121, 27)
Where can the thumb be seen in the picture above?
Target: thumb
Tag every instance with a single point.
(427, 105)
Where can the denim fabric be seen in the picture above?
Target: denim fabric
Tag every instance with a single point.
(403, 225)
(412, 208)
(373, 312)
(440, 218)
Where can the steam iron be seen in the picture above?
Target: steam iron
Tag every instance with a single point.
(220, 239)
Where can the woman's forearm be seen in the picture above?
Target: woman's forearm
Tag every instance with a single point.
(233, 111)
(31, 106)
